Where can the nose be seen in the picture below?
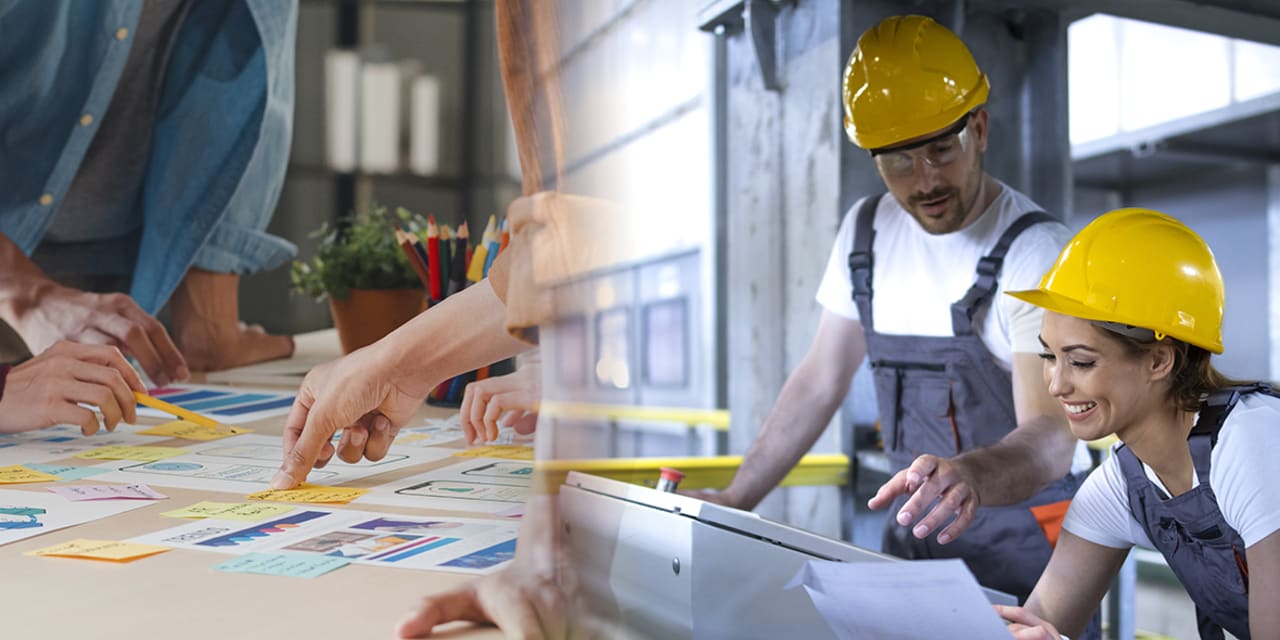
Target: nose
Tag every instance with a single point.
(1056, 380)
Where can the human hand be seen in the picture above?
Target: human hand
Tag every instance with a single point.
(523, 604)
(713, 496)
(931, 478)
(49, 389)
(1025, 625)
(59, 313)
(207, 327)
(510, 400)
(359, 394)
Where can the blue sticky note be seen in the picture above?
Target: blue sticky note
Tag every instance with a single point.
(67, 473)
(297, 565)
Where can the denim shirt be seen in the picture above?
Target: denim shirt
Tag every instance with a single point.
(221, 137)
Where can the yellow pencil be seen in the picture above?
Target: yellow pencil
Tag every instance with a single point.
(189, 416)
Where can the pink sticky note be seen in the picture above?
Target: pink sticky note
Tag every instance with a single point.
(78, 493)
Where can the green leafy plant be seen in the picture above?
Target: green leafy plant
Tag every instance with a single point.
(361, 252)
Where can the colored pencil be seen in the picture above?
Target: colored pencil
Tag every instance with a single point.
(405, 240)
(185, 414)
(433, 259)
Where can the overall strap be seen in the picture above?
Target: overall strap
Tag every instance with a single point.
(861, 260)
(988, 274)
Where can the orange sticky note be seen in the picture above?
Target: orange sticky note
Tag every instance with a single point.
(109, 550)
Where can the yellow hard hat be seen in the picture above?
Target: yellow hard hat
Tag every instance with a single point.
(1140, 268)
(907, 77)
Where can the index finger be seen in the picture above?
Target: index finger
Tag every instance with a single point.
(304, 436)
(894, 487)
(171, 359)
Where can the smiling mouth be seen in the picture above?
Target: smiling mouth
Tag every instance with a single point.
(1076, 409)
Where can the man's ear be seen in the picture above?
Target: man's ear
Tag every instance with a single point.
(978, 122)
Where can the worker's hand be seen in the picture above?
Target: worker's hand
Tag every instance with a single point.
(714, 496)
(59, 313)
(510, 400)
(207, 327)
(523, 604)
(1025, 625)
(359, 394)
(50, 388)
(931, 478)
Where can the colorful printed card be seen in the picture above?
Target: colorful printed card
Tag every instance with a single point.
(30, 513)
(224, 404)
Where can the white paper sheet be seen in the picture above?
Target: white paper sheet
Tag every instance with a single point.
(387, 540)
(24, 514)
(484, 485)
(922, 599)
(245, 464)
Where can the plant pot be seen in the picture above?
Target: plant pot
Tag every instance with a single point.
(369, 314)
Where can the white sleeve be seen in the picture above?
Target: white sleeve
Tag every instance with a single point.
(1029, 258)
(835, 292)
(1099, 512)
(1242, 471)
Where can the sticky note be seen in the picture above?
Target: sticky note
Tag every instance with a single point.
(67, 473)
(307, 492)
(507, 451)
(297, 565)
(141, 454)
(246, 511)
(77, 493)
(17, 474)
(100, 550)
(192, 431)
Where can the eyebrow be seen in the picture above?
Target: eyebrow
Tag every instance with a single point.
(1069, 348)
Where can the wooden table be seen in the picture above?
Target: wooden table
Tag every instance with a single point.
(178, 595)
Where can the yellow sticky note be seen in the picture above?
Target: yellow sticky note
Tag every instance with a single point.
(246, 511)
(17, 474)
(192, 431)
(100, 550)
(307, 492)
(141, 454)
(508, 451)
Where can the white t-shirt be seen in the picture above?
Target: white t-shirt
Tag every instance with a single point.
(1242, 472)
(918, 275)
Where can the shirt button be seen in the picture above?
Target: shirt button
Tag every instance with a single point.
(122, 33)
(46, 199)
(86, 120)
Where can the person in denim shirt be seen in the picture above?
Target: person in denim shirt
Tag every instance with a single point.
(143, 145)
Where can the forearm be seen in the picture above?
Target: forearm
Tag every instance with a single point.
(466, 331)
(1020, 464)
(798, 417)
(21, 282)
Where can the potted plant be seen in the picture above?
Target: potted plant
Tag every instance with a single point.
(360, 268)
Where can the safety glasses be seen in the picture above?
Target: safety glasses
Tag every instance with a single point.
(938, 151)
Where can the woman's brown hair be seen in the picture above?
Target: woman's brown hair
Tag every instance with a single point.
(1193, 376)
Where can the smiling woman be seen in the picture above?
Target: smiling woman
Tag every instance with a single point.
(1134, 306)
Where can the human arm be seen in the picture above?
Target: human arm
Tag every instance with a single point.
(1264, 587)
(808, 400)
(43, 312)
(1038, 451)
(372, 391)
(1074, 582)
(207, 327)
(514, 395)
(50, 388)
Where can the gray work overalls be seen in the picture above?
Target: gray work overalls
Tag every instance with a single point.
(946, 395)
(1206, 554)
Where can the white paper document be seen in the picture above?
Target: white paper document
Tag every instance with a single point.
(385, 540)
(245, 464)
(24, 514)
(922, 599)
(483, 485)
